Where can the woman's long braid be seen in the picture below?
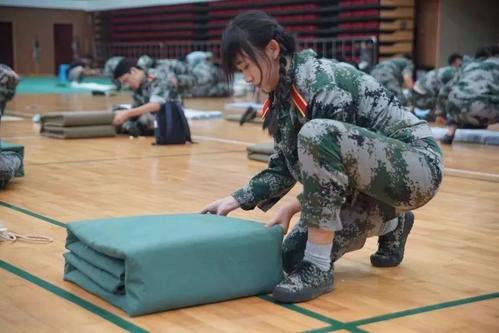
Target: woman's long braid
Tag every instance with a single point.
(279, 98)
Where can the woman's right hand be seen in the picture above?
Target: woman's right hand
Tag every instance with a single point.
(222, 206)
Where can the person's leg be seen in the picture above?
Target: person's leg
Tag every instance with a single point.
(391, 246)
(361, 217)
(335, 158)
(469, 112)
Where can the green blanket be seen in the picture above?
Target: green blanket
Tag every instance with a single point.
(77, 118)
(145, 264)
(260, 151)
(59, 132)
(7, 146)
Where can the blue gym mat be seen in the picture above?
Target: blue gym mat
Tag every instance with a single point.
(50, 85)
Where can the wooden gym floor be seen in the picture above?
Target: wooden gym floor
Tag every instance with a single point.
(448, 282)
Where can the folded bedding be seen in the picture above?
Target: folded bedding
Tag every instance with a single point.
(76, 132)
(237, 117)
(481, 136)
(145, 264)
(77, 118)
(260, 151)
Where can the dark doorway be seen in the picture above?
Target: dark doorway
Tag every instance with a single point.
(7, 44)
(63, 41)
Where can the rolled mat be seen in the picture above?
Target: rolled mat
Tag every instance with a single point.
(237, 117)
(7, 146)
(481, 136)
(77, 118)
(260, 151)
(145, 264)
(242, 106)
(78, 132)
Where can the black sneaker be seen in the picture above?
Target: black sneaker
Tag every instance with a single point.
(293, 247)
(391, 246)
(447, 139)
(305, 283)
(248, 115)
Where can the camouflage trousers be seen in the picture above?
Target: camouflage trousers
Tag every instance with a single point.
(10, 166)
(423, 101)
(142, 125)
(479, 111)
(363, 178)
(391, 84)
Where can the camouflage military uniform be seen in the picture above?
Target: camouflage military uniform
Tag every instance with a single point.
(8, 83)
(473, 96)
(362, 159)
(110, 66)
(10, 162)
(207, 81)
(10, 166)
(427, 88)
(390, 74)
(157, 87)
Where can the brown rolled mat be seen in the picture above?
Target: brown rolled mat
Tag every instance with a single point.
(237, 117)
(260, 151)
(77, 118)
(77, 132)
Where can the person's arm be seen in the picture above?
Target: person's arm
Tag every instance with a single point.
(285, 214)
(407, 75)
(267, 187)
(122, 117)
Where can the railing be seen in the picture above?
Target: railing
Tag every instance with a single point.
(351, 49)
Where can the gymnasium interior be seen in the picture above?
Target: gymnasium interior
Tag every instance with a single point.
(137, 201)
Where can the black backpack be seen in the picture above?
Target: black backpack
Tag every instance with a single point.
(171, 126)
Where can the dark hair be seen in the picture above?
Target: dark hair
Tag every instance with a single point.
(453, 57)
(123, 67)
(487, 51)
(249, 33)
(408, 56)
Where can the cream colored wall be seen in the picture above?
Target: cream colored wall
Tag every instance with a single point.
(29, 23)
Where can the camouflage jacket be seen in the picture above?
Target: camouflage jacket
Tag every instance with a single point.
(477, 80)
(334, 91)
(158, 86)
(394, 69)
(110, 66)
(436, 79)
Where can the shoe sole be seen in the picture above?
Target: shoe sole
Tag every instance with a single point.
(380, 261)
(283, 296)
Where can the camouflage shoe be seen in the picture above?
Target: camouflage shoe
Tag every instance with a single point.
(293, 247)
(391, 246)
(303, 284)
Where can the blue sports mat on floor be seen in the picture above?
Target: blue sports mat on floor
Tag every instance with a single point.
(50, 85)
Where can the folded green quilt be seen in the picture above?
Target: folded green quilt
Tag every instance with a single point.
(260, 151)
(237, 117)
(7, 146)
(145, 264)
(77, 118)
(59, 132)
